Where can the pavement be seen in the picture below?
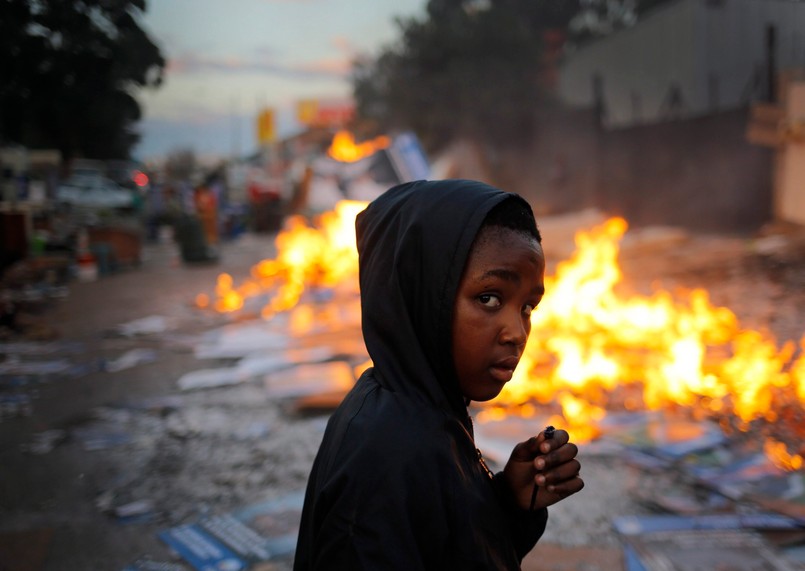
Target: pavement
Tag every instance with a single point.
(55, 494)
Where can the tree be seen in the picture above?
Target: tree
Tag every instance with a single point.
(468, 68)
(598, 18)
(70, 70)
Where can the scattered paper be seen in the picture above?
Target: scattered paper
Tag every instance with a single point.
(144, 326)
(262, 532)
(310, 379)
(237, 341)
(139, 511)
(212, 378)
(45, 441)
(15, 405)
(100, 438)
(38, 368)
(262, 363)
(131, 359)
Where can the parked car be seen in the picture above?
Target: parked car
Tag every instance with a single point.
(93, 191)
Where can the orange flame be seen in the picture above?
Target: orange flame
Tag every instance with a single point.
(780, 457)
(798, 372)
(345, 149)
(654, 352)
(323, 255)
(590, 350)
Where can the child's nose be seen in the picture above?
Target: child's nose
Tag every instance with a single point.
(514, 330)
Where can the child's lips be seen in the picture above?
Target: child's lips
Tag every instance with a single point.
(504, 369)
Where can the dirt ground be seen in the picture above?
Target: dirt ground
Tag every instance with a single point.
(230, 447)
(57, 492)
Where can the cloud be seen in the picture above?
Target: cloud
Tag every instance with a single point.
(331, 68)
(344, 45)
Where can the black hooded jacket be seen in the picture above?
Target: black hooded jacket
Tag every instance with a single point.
(398, 482)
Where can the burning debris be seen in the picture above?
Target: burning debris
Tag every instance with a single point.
(592, 350)
(310, 257)
(345, 149)
(245, 435)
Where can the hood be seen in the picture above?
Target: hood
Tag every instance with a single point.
(413, 242)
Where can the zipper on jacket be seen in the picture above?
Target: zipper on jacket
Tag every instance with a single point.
(483, 464)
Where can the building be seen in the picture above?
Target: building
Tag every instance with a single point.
(685, 59)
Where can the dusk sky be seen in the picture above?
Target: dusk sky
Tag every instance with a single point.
(226, 60)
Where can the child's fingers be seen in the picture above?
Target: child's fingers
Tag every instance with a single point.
(539, 444)
(566, 487)
(559, 438)
(525, 451)
(563, 472)
(545, 453)
(564, 453)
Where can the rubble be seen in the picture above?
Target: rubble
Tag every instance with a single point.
(671, 542)
(160, 452)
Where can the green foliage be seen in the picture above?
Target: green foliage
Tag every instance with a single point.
(468, 68)
(70, 70)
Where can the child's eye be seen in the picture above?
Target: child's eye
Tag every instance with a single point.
(527, 309)
(489, 300)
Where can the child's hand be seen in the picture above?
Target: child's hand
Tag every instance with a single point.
(551, 465)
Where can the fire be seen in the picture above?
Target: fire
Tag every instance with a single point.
(778, 454)
(656, 352)
(345, 149)
(798, 373)
(591, 350)
(321, 255)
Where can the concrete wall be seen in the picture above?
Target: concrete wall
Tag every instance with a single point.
(560, 171)
(699, 173)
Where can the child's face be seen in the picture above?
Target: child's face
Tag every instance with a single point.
(502, 283)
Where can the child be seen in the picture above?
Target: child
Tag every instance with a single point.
(450, 272)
